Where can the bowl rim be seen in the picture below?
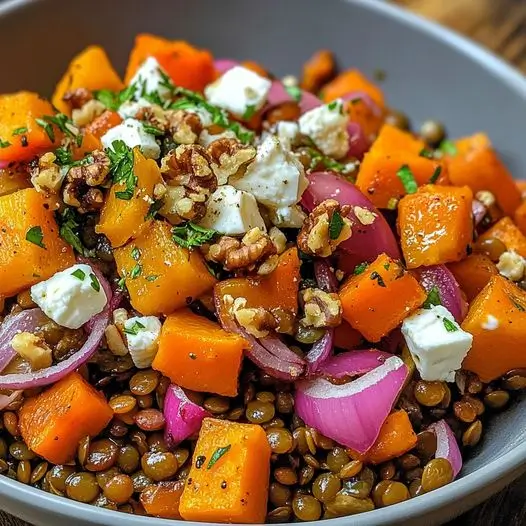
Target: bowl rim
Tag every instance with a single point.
(507, 466)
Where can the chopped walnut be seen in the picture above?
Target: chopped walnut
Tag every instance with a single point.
(278, 238)
(77, 97)
(34, 349)
(256, 321)
(87, 113)
(79, 190)
(46, 175)
(114, 341)
(255, 248)
(119, 318)
(188, 172)
(185, 127)
(229, 156)
(322, 309)
(320, 235)
(365, 216)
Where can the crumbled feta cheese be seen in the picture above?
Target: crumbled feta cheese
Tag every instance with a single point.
(206, 138)
(327, 126)
(275, 177)
(511, 265)
(142, 335)
(287, 217)
(132, 133)
(239, 90)
(232, 212)
(151, 78)
(129, 109)
(71, 297)
(491, 323)
(436, 342)
(287, 132)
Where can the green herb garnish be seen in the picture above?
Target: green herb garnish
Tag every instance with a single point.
(360, 269)
(448, 147)
(34, 235)
(62, 122)
(449, 325)
(191, 235)
(151, 277)
(436, 175)
(336, 225)
(79, 274)
(47, 128)
(64, 156)
(433, 298)
(134, 329)
(295, 92)
(136, 271)
(154, 209)
(114, 100)
(94, 282)
(250, 111)
(4, 144)
(218, 453)
(333, 105)
(328, 162)
(121, 157)
(136, 254)
(152, 130)
(408, 179)
(425, 152)
(376, 277)
(69, 230)
(19, 131)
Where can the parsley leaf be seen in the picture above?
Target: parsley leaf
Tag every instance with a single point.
(121, 157)
(94, 282)
(191, 235)
(151, 277)
(69, 230)
(436, 175)
(34, 235)
(335, 225)
(134, 329)
(433, 298)
(217, 454)
(136, 254)
(328, 162)
(4, 144)
(333, 105)
(408, 179)
(136, 271)
(425, 152)
(152, 130)
(47, 128)
(449, 325)
(360, 269)
(250, 111)
(19, 131)
(154, 209)
(79, 274)
(114, 100)
(295, 92)
(63, 156)
(448, 147)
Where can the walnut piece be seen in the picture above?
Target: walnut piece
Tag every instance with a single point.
(256, 321)
(184, 126)
(46, 175)
(87, 113)
(191, 181)
(77, 98)
(322, 309)
(79, 190)
(114, 341)
(229, 156)
(278, 238)
(255, 248)
(322, 231)
(34, 349)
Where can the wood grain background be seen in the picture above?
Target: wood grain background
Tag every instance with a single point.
(499, 25)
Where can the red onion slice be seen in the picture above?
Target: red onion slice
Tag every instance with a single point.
(447, 446)
(441, 278)
(25, 321)
(367, 240)
(222, 65)
(320, 352)
(353, 363)
(358, 142)
(325, 276)
(366, 99)
(353, 413)
(479, 211)
(183, 417)
(278, 95)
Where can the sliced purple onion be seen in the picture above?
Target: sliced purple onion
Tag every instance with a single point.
(325, 276)
(278, 94)
(222, 65)
(447, 446)
(320, 352)
(358, 142)
(479, 211)
(366, 99)
(351, 364)
(352, 414)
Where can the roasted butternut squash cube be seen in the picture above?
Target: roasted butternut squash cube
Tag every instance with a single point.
(435, 225)
(31, 249)
(497, 321)
(473, 274)
(376, 301)
(161, 276)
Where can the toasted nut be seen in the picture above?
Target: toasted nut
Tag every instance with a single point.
(34, 349)
(322, 309)
(228, 157)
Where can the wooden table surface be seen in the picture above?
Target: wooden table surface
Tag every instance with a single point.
(501, 26)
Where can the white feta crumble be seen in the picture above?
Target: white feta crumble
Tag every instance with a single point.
(132, 133)
(287, 132)
(511, 265)
(327, 127)
(232, 212)
(129, 109)
(70, 297)
(204, 115)
(491, 323)
(151, 78)
(239, 91)
(142, 334)
(436, 342)
(287, 217)
(275, 178)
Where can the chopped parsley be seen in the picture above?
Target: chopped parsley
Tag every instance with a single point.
(425, 152)
(121, 157)
(151, 277)
(136, 254)
(333, 105)
(114, 100)
(4, 144)
(328, 162)
(250, 111)
(336, 225)
(154, 209)
(152, 130)
(69, 230)
(408, 179)
(62, 122)
(218, 453)
(19, 131)
(449, 325)
(436, 175)
(34, 235)
(64, 156)
(376, 277)
(360, 269)
(94, 282)
(79, 274)
(47, 128)
(433, 298)
(448, 147)
(191, 235)
(135, 328)
(136, 271)
(295, 92)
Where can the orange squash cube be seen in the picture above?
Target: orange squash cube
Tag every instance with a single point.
(473, 274)
(506, 231)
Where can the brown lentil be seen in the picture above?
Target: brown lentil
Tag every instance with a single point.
(57, 476)
(284, 403)
(515, 382)
(280, 440)
(286, 476)
(181, 455)
(149, 419)
(306, 474)
(311, 461)
(10, 421)
(357, 488)
(437, 473)
(157, 443)
(433, 132)
(145, 401)
(471, 437)
(497, 399)
(122, 404)
(351, 469)
(128, 458)
(235, 414)
(396, 492)
(140, 481)
(464, 411)
(119, 489)
(492, 247)
(144, 382)
(408, 461)
(275, 422)
(429, 394)
(104, 476)
(281, 514)
(300, 439)
(258, 412)
(38, 473)
(306, 508)
(265, 396)
(23, 471)
(412, 474)
(326, 486)
(128, 418)
(103, 502)
(387, 471)
(217, 405)
(118, 429)
(82, 449)
(82, 487)
(102, 455)
(279, 495)
(139, 439)
(398, 119)
(415, 488)
(3, 448)
(159, 466)
(426, 444)
(20, 451)
(344, 505)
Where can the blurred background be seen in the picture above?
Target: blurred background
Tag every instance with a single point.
(499, 25)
